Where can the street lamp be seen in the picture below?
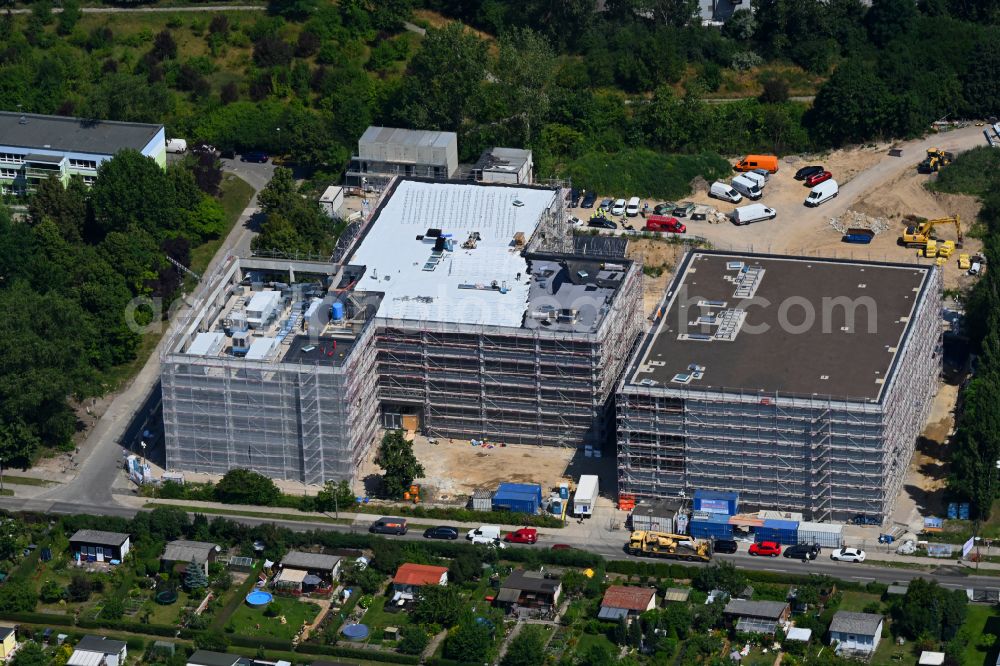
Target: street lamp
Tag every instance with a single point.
(143, 445)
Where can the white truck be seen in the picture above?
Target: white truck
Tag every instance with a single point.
(585, 496)
(177, 146)
(752, 213)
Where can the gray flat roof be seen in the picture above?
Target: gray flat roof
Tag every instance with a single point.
(742, 318)
(99, 537)
(771, 610)
(93, 643)
(407, 137)
(103, 137)
(297, 559)
(182, 550)
(848, 622)
(209, 658)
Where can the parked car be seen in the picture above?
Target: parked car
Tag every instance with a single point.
(605, 204)
(817, 178)
(848, 555)
(574, 198)
(862, 519)
(728, 546)
(387, 525)
(803, 551)
(258, 156)
(807, 171)
(766, 548)
(441, 532)
(523, 535)
(632, 209)
(588, 200)
(575, 221)
(666, 208)
(599, 222)
(724, 191)
(618, 208)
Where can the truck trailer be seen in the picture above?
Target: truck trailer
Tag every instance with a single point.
(585, 496)
(668, 546)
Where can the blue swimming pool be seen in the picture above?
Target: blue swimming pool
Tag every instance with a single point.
(259, 599)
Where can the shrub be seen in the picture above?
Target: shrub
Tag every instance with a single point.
(413, 640)
(645, 173)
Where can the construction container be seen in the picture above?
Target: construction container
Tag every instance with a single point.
(827, 535)
(585, 496)
(518, 497)
(711, 526)
(782, 531)
(482, 499)
(658, 516)
(714, 501)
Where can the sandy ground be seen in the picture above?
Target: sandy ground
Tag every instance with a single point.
(454, 468)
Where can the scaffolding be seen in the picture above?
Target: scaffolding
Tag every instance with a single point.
(827, 457)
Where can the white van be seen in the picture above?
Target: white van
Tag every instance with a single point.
(723, 191)
(821, 193)
(632, 209)
(484, 534)
(177, 146)
(747, 187)
(755, 177)
(752, 213)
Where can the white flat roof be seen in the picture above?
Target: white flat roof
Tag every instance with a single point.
(207, 344)
(263, 301)
(260, 349)
(390, 250)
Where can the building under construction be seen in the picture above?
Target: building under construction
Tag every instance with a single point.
(458, 309)
(801, 383)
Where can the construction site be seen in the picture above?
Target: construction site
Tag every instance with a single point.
(460, 310)
(801, 383)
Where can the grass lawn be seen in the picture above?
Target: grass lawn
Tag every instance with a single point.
(235, 195)
(980, 620)
(587, 641)
(378, 619)
(246, 620)
(854, 600)
(756, 657)
(171, 614)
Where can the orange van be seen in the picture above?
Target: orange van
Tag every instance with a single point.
(751, 162)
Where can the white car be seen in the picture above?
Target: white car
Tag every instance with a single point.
(848, 555)
(576, 222)
(632, 209)
(619, 207)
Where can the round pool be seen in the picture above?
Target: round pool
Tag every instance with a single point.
(355, 632)
(166, 597)
(259, 599)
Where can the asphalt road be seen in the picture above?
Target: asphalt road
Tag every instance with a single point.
(951, 575)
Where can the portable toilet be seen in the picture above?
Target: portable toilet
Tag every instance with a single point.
(337, 311)
(564, 490)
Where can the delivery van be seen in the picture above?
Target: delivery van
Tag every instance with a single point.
(822, 193)
(724, 191)
(755, 177)
(664, 223)
(752, 213)
(484, 533)
(177, 146)
(747, 187)
(751, 162)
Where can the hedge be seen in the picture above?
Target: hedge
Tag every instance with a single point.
(267, 642)
(40, 618)
(132, 627)
(354, 653)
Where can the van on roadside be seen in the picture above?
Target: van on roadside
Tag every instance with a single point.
(483, 534)
(755, 177)
(724, 191)
(822, 193)
(752, 213)
(747, 187)
(389, 525)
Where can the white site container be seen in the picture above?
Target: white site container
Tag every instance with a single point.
(827, 535)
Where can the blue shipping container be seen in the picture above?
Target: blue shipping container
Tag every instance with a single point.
(783, 531)
(714, 501)
(518, 497)
(711, 530)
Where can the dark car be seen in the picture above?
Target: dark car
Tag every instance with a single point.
(574, 198)
(601, 223)
(861, 519)
(803, 551)
(258, 156)
(728, 546)
(664, 208)
(807, 171)
(441, 532)
(588, 200)
(606, 204)
(388, 525)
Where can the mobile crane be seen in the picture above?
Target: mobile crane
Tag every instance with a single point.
(918, 235)
(668, 546)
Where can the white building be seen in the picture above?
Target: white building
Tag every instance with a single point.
(855, 633)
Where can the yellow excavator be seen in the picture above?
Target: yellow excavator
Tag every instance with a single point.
(669, 546)
(919, 235)
(935, 160)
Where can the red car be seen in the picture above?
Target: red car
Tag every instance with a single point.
(769, 548)
(818, 178)
(523, 535)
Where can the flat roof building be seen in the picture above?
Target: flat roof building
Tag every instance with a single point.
(800, 383)
(458, 309)
(34, 147)
(388, 152)
(201, 553)
(504, 165)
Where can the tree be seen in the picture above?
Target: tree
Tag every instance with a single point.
(17, 598)
(853, 106)
(168, 522)
(132, 190)
(527, 648)
(931, 610)
(66, 206)
(242, 486)
(69, 16)
(470, 641)
(127, 97)
(438, 604)
(79, 588)
(207, 220)
(466, 565)
(51, 592)
(413, 640)
(677, 13)
(722, 576)
(215, 641)
(113, 607)
(888, 19)
(279, 193)
(400, 467)
(194, 577)
(30, 654)
(775, 91)
(335, 496)
(164, 46)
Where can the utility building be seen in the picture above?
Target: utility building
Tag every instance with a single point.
(801, 383)
(387, 152)
(457, 309)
